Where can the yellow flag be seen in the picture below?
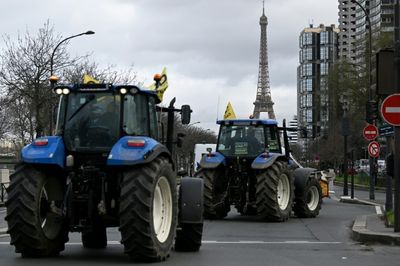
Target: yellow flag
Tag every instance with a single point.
(229, 113)
(162, 85)
(89, 80)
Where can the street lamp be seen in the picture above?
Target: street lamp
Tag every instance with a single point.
(345, 132)
(372, 171)
(369, 54)
(53, 79)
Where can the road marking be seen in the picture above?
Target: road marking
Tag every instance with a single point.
(243, 242)
(3, 211)
(267, 242)
(378, 210)
(392, 109)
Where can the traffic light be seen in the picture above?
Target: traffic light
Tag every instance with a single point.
(371, 111)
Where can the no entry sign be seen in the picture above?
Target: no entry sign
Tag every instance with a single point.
(390, 109)
(370, 132)
(374, 149)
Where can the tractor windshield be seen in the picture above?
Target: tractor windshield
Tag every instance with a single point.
(91, 120)
(247, 141)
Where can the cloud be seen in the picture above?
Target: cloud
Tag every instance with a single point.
(211, 48)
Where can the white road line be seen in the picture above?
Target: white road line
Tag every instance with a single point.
(244, 242)
(378, 210)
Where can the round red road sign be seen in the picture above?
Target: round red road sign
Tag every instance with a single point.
(390, 109)
(370, 132)
(374, 149)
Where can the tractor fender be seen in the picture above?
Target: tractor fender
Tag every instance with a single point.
(263, 162)
(131, 150)
(212, 160)
(301, 177)
(191, 200)
(45, 150)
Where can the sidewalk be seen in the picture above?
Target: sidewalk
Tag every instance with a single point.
(370, 228)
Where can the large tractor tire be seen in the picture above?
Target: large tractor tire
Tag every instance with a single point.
(95, 238)
(308, 199)
(275, 192)
(148, 211)
(188, 238)
(216, 203)
(35, 221)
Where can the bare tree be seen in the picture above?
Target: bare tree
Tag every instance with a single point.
(25, 69)
(110, 74)
(4, 118)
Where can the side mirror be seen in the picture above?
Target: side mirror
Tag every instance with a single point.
(179, 140)
(185, 114)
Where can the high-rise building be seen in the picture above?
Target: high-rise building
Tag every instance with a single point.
(318, 52)
(354, 27)
(347, 26)
(293, 135)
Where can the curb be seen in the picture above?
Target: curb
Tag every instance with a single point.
(348, 199)
(3, 231)
(360, 233)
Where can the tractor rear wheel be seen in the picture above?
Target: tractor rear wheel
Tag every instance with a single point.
(275, 191)
(216, 203)
(308, 200)
(148, 210)
(35, 221)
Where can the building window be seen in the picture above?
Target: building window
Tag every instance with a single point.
(324, 68)
(325, 52)
(324, 37)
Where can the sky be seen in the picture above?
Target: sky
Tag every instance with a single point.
(210, 47)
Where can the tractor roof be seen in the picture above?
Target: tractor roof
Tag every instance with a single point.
(246, 122)
(104, 87)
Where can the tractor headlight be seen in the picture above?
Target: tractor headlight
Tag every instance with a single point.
(133, 90)
(59, 91)
(123, 91)
(65, 91)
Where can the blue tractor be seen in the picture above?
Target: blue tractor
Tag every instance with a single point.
(108, 165)
(253, 171)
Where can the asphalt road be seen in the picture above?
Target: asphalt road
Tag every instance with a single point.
(240, 240)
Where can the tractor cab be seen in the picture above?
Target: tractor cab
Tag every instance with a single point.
(248, 138)
(93, 117)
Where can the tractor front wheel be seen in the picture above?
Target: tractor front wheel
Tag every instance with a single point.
(308, 200)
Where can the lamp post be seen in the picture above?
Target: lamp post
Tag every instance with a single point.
(89, 32)
(345, 133)
(372, 170)
(53, 79)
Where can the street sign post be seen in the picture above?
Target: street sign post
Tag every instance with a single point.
(390, 109)
(370, 132)
(374, 149)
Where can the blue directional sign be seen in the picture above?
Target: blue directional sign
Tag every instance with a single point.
(386, 130)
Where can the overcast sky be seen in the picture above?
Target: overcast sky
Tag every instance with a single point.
(210, 47)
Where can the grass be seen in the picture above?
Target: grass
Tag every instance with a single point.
(389, 218)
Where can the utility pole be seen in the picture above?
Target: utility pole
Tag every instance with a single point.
(397, 128)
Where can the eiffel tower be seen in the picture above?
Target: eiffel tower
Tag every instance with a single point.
(263, 101)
